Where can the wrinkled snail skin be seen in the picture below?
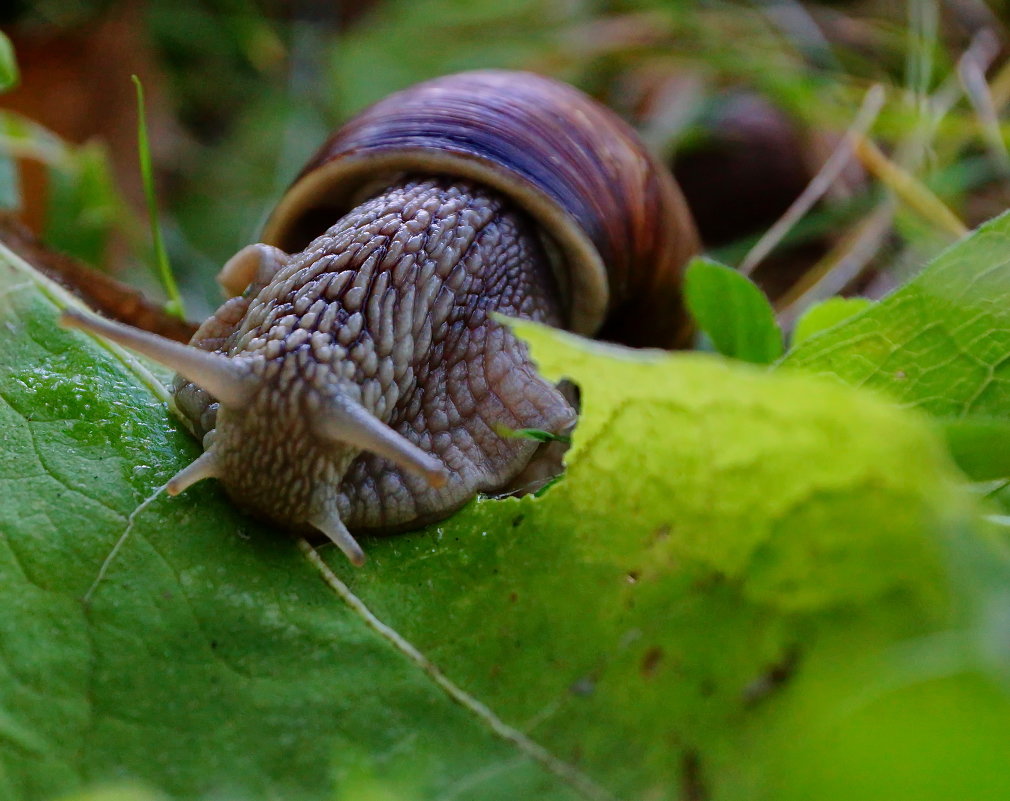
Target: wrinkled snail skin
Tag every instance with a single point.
(357, 379)
(390, 308)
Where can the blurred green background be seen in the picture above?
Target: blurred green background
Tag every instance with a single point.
(745, 100)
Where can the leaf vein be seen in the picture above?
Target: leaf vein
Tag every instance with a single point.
(568, 773)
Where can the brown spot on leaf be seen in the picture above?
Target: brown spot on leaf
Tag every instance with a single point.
(650, 662)
(692, 786)
(774, 677)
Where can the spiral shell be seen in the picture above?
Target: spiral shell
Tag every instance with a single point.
(611, 214)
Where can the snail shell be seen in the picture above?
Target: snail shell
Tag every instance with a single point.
(330, 388)
(619, 223)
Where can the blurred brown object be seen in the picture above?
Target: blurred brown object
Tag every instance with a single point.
(104, 294)
(745, 173)
(743, 177)
(740, 160)
(76, 82)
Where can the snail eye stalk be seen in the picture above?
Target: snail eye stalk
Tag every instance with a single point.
(227, 379)
(343, 421)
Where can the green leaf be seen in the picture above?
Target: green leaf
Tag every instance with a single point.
(9, 75)
(980, 446)
(941, 342)
(712, 578)
(732, 311)
(83, 204)
(20, 137)
(176, 642)
(827, 314)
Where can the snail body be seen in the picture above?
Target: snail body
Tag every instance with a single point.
(356, 379)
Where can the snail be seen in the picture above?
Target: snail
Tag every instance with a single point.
(356, 378)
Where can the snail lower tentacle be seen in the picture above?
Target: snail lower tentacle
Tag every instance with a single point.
(392, 306)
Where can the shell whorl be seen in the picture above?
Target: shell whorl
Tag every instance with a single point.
(614, 215)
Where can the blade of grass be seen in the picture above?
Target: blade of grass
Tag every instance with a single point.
(1000, 87)
(911, 151)
(840, 267)
(971, 69)
(923, 30)
(848, 259)
(174, 305)
(826, 176)
(906, 186)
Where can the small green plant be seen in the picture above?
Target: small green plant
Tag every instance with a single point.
(732, 311)
(535, 434)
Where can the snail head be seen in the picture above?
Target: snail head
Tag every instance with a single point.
(303, 403)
